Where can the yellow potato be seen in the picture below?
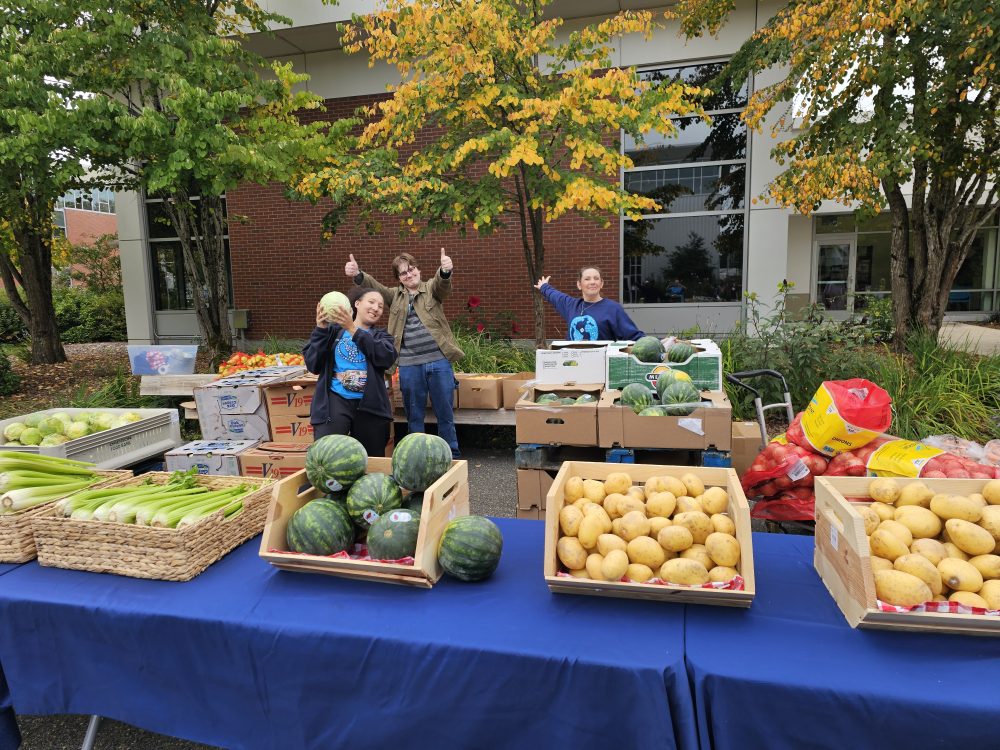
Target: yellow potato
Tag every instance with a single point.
(629, 503)
(899, 530)
(569, 520)
(638, 573)
(582, 503)
(579, 573)
(987, 565)
(687, 504)
(614, 566)
(661, 504)
(922, 568)
(991, 491)
(991, 593)
(591, 527)
(715, 500)
(697, 523)
(954, 552)
(722, 574)
(991, 520)
(723, 523)
(956, 506)
(571, 553)
(870, 517)
(883, 511)
(921, 522)
(700, 553)
(610, 505)
(673, 485)
(634, 524)
(608, 542)
(968, 599)
(970, 538)
(646, 551)
(884, 490)
(594, 561)
(685, 571)
(616, 527)
(880, 563)
(901, 589)
(617, 481)
(960, 575)
(977, 498)
(593, 490)
(639, 492)
(693, 484)
(915, 493)
(593, 509)
(723, 549)
(886, 544)
(932, 549)
(574, 489)
(675, 538)
(656, 523)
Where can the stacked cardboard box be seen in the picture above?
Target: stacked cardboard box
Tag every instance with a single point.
(209, 456)
(708, 426)
(553, 423)
(532, 486)
(235, 408)
(704, 367)
(274, 460)
(288, 407)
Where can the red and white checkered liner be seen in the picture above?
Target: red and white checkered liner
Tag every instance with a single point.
(358, 552)
(736, 584)
(942, 607)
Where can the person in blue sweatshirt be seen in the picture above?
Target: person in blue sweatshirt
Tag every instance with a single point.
(591, 317)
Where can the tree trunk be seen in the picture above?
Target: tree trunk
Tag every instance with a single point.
(899, 265)
(534, 251)
(34, 256)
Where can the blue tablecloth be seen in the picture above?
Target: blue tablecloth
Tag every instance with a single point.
(791, 673)
(247, 656)
(10, 736)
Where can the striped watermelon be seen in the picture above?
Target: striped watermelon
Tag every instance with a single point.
(320, 527)
(335, 462)
(648, 349)
(371, 496)
(414, 501)
(680, 398)
(470, 548)
(670, 376)
(656, 411)
(394, 535)
(419, 460)
(636, 396)
(680, 351)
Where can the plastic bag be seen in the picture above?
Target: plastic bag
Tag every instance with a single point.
(891, 457)
(796, 504)
(991, 453)
(957, 446)
(843, 415)
(780, 481)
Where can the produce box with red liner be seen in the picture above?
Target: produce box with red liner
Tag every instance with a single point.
(274, 460)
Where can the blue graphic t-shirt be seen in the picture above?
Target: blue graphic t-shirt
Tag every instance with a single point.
(350, 367)
(604, 320)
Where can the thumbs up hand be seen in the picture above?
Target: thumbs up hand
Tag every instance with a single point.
(351, 267)
(446, 264)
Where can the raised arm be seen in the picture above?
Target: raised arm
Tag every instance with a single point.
(441, 283)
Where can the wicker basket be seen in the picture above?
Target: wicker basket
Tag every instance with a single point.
(17, 544)
(146, 551)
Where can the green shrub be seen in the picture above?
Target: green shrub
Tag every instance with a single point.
(83, 316)
(9, 380)
(12, 328)
(483, 353)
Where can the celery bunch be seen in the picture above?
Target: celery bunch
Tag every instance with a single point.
(28, 479)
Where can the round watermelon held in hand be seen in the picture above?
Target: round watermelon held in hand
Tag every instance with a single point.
(470, 548)
(419, 460)
(335, 462)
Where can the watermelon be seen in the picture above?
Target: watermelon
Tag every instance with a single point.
(414, 501)
(419, 460)
(320, 527)
(648, 349)
(546, 398)
(680, 351)
(394, 535)
(656, 411)
(586, 398)
(670, 376)
(371, 496)
(680, 398)
(470, 548)
(335, 462)
(637, 397)
(567, 401)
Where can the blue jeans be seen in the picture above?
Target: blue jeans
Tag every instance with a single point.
(437, 379)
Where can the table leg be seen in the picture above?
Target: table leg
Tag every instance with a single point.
(88, 739)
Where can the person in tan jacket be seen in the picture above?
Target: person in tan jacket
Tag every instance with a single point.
(423, 339)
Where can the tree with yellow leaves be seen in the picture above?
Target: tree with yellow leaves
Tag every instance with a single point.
(520, 126)
(876, 101)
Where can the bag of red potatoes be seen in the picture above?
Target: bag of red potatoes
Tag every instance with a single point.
(781, 479)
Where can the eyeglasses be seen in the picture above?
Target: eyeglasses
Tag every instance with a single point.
(408, 271)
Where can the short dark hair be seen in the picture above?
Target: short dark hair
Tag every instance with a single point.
(587, 268)
(354, 294)
(400, 260)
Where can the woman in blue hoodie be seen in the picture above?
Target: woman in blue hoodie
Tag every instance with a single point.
(590, 317)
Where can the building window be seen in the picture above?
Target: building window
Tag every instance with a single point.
(692, 249)
(171, 287)
(101, 201)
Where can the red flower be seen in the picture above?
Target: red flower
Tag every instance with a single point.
(480, 327)
(473, 303)
(515, 327)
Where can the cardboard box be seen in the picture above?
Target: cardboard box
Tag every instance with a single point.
(291, 398)
(531, 514)
(532, 486)
(706, 427)
(274, 460)
(396, 394)
(704, 367)
(288, 428)
(480, 391)
(235, 408)
(513, 385)
(209, 456)
(746, 445)
(556, 424)
(578, 363)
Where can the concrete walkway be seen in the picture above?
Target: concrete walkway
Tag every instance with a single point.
(977, 339)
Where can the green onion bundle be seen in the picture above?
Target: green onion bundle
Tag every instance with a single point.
(29, 479)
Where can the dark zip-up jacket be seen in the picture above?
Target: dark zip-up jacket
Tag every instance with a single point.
(376, 344)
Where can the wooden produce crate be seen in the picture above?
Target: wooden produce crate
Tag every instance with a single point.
(738, 510)
(147, 551)
(843, 560)
(17, 543)
(444, 500)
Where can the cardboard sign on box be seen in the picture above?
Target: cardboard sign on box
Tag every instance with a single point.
(480, 391)
(289, 428)
(706, 427)
(572, 364)
(557, 424)
(234, 407)
(513, 385)
(274, 460)
(291, 398)
(704, 367)
(209, 456)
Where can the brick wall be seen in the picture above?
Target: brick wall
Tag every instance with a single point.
(83, 227)
(281, 268)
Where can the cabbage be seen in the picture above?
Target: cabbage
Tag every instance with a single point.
(32, 420)
(333, 300)
(62, 416)
(129, 417)
(54, 439)
(102, 421)
(51, 426)
(31, 436)
(13, 431)
(77, 430)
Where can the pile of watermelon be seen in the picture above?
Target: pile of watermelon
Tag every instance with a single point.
(556, 400)
(675, 396)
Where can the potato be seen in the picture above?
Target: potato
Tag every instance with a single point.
(970, 538)
(569, 520)
(656, 523)
(687, 504)
(987, 565)
(921, 522)
(582, 503)
(901, 589)
(722, 574)
(617, 481)
(956, 506)
(610, 505)
(638, 492)
(593, 490)
(614, 566)
(954, 552)
(579, 573)
(991, 593)
(723, 523)
(693, 484)
(574, 489)
(608, 542)
(616, 527)
(991, 491)
(960, 575)
(922, 568)
(697, 523)
(571, 553)
(870, 517)
(886, 544)
(968, 599)
(880, 563)
(915, 493)
(902, 532)
(661, 504)
(673, 485)
(685, 571)
(638, 573)
(634, 524)
(977, 498)
(700, 553)
(991, 520)
(646, 551)
(591, 527)
(594, 561)
(884, 490)
(723, 549)
(630, 503)
(715, 500)
(675, 538)
(932, 549)
(593, 509)
(883, 511)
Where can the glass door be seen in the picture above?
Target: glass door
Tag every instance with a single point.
(835, 266)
